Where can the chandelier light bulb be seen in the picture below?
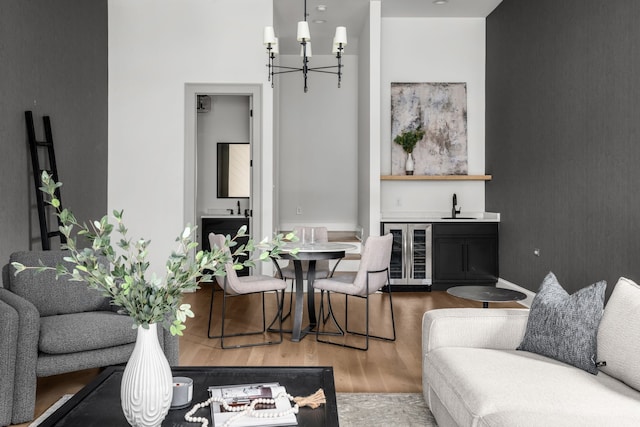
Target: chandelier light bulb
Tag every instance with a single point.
(303, 31)
(269, 36)
(341, 36)
(309, 54)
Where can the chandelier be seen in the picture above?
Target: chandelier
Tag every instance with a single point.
(304, 37)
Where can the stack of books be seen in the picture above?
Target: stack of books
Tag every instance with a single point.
(241, 395)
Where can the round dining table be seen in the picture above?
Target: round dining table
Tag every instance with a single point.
(311, 252)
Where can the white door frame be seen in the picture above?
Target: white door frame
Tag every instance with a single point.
(254, 91)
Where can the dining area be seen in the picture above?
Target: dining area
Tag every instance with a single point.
(305, 268)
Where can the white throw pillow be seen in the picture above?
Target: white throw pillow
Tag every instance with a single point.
(619, 334)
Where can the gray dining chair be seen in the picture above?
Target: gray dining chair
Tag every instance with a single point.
(372, 275)
(232, 286)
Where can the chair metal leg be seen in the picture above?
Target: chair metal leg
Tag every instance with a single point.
(286, 316)
(281, 276)
(393, 321)
(366, 334)
(330, 312)
(330, 315)
(213, 290)
(222, 335)
(270, 328)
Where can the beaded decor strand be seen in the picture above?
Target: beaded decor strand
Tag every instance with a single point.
(249, 410)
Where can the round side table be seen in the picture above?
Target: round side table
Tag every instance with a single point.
(486, 294)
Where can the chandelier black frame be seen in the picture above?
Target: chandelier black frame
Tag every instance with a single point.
(304, 37)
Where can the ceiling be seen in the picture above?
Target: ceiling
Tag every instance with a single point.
(352, 14)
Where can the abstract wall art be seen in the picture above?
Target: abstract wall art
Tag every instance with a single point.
(440, 109)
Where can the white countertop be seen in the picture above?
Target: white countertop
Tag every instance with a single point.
(222, 216)
(440, 217)
(319, 247)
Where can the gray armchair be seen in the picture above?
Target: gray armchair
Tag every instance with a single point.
(63, 326)
(8, 345)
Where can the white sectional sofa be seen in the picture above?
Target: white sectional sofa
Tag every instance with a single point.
(474, 376)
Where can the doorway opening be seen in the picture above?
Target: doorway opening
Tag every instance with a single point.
(221, 159)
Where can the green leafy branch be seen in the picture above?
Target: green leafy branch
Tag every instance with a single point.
(409, 138)
(121, 274)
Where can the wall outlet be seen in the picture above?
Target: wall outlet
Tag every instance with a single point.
(299, 210)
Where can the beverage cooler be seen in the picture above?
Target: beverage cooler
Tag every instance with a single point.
(410, 267)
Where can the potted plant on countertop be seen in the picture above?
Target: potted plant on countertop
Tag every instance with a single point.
(408, 140)
(149, 301)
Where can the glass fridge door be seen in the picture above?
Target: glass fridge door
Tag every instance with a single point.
(419, 254)
(397, 266)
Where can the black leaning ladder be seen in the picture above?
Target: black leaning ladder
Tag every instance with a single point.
(34, 146)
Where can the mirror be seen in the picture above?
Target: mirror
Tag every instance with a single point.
(234, 170)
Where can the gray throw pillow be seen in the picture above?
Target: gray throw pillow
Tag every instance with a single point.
(565, 327)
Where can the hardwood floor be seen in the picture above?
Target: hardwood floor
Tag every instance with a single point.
(386, 367)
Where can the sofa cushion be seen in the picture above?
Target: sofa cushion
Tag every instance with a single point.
(537, 419)
(71, 333)
(53, 296)
(619, 334)
(477, 385)
(563, 326)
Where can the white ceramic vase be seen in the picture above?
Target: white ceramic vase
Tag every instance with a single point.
(408, 166)
(146, 389)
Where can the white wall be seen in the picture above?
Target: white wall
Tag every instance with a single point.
(434, 50)
(155, 47)
(369, 124)
(318, 145)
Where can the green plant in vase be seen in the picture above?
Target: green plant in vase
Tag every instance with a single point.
(119, 271)
(408, 140)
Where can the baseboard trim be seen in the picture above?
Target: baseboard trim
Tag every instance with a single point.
(508, 285)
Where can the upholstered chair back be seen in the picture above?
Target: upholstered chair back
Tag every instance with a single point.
(233, 283)
(375, 257)
(52, 296)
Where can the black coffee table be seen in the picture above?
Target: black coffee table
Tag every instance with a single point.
(486, 294)
(98, 404)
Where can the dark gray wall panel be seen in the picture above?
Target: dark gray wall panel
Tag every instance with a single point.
(53, 61)
(563, 139)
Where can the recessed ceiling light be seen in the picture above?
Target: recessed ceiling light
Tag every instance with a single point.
(321, 8)
(319, 21)
(440, 1)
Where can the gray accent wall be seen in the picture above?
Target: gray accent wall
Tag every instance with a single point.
(53, 61)
(563, 139)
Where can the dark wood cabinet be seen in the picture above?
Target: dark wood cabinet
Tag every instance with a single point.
(465, 253)
(222, 225)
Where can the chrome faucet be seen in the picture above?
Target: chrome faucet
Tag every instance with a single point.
(454, 211)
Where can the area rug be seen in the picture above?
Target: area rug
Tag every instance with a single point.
(383, 409)
(355, 410)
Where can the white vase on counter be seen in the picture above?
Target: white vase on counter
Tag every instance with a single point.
(408, 166)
